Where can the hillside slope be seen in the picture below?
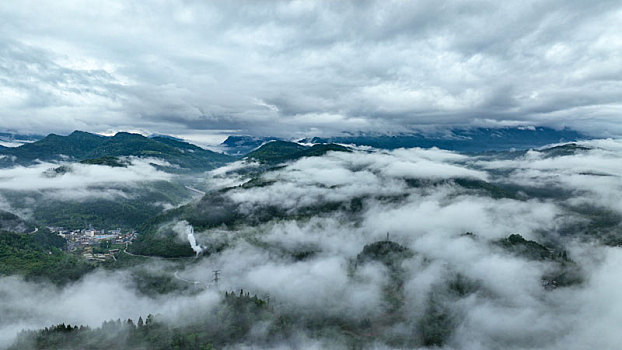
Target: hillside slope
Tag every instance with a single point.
(81, 146)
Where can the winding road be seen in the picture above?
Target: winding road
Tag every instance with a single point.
(176, 274)
(157, 257)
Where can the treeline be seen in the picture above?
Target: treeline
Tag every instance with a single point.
(231, 323)
(242, 318)
(117, 334)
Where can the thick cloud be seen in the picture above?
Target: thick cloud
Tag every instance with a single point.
(503, 303)
(511, 308)
(313, 180)
(100, 296)
(320, 67)
(593, 174)
(75, 181)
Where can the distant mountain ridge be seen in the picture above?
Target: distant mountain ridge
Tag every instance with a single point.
(80, 146)
(10, 136)
(464, 140)
(96, 149)
(12, 139)
(241, 145)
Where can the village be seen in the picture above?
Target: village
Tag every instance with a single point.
(96, 244)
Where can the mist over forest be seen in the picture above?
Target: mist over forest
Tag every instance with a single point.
(290, 174)
(355, 248)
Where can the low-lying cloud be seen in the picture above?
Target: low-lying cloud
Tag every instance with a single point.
(489, 297)
(73, 181)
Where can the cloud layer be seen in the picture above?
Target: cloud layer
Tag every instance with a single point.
(310, 68)
(416, 196)
(75, 181)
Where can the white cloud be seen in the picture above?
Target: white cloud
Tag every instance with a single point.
(290, 69)
(79, 177)
(509, 308)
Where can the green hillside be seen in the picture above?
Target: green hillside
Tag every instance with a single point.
(282, 151)
(13, 223)
(39, 256)
(96, 149)
(77, 145)
(564, 150)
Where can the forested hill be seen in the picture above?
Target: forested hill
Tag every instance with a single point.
(241, 145)
(280, 151)
(80, 146)
(97, 149)
(40, 256)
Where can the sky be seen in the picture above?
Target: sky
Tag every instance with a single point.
(205, 69)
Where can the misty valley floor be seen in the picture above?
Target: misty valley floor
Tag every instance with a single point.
(333, 248)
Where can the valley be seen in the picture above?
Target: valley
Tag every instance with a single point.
(342, 246)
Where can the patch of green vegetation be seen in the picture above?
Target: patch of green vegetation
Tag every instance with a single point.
(532, 250)
(391, 254)
(45, 238)
(461, 286)
(152, 283)
(105, 160)
(106, 214)
(387, 252)
(257, 181)
(565, 272)
(58, 171)
(13, 223)
(490, 189)
(493, 190)
(282, 151)
(123, 260)
(437, 323)
(76, 145)
(568, 149)
(276, 151)
(599, 222)
(164, 245)
(323, 148)
(128, 207)
(153, 241)
(40, 257)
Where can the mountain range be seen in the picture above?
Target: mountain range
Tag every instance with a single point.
(96, 149)
(84, 146)
(463, 140)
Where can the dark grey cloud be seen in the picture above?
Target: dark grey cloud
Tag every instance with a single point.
(295, 67)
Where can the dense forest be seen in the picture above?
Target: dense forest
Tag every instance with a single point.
(41, 257)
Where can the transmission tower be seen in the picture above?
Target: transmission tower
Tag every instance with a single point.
(216, 278)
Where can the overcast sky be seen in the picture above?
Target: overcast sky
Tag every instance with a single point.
(295, 68)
